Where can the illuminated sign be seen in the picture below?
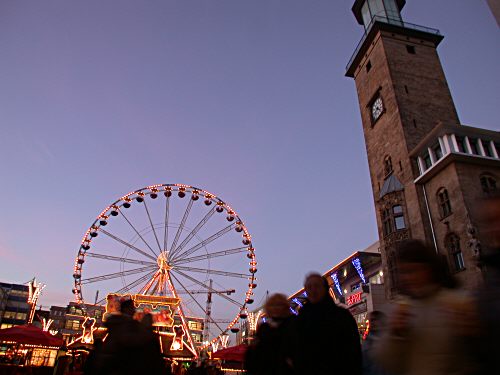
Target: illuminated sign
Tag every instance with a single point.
(159, 307)
(353, 298)
(336, 281)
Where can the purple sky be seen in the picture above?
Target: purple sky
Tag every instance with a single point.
(246, 99)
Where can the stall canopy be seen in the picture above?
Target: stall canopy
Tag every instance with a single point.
(29, 335)
(233, 353)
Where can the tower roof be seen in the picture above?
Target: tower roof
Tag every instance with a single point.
(391, 184)
(358, 4)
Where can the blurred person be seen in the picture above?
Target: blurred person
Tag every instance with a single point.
(328, 334)
(272, 349)
(378, 321)
(91, 363)
(130, 347)
(429, 330)
(488, 297)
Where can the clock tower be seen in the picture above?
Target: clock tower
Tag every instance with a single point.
(404, 98)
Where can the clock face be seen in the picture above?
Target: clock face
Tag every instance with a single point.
(377, 108)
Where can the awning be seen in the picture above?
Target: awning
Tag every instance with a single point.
(29, 335)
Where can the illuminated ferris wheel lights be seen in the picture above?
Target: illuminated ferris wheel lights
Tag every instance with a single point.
(183, 252)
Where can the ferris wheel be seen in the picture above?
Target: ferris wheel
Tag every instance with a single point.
(172, 240)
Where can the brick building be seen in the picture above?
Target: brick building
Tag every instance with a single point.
(427, 170)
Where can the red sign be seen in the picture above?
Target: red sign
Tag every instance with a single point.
(354, 298)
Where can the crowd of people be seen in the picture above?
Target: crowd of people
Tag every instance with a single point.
(434, 328)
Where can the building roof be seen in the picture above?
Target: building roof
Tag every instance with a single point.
(443, 128)
(391, 184)
(367, 258)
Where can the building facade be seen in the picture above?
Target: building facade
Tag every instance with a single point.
(14, 306)
(356, 283)
(426, 169)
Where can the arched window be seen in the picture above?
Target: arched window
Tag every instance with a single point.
(387, 166)
(488, 183)
(452, 243)
(443, 202)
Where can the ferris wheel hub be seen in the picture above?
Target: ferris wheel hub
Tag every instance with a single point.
(162, 262)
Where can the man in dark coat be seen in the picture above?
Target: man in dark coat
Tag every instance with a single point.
(329, 338)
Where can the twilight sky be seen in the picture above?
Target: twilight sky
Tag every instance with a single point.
(246, 99)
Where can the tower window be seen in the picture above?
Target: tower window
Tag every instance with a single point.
(368, 66)
(437, 151)
(473, 146)
(488, 184)
(392, 219)
(399, 219)
(452, 243)
(386, 222)
(444, 202)
(462, 146)
(410, 49)
(427, 160)
(414, 123)
(487, 148)
(406, 89)
(387, 166)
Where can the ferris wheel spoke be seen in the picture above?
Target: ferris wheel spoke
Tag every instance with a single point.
(208, 288)
(119, 259)
(129, 245)
(137, 232)
(211, 255)
(129, 286)
(152, 226)
(183, 222)
(196, 301)
(195, 230)
(213, 272)
(117, 274)
(165, 229)
(204, 242)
